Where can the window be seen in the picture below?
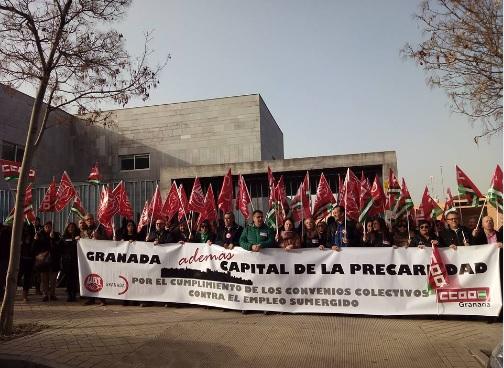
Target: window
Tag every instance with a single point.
(12, 151)
(135, 162)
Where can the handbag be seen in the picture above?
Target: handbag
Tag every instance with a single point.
(43, 260)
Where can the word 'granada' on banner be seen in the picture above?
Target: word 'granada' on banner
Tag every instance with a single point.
(374, 281)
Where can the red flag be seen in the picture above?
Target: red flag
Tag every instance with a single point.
(438, 277)
(66, 192)
(77, 207)
(340, 191)
(283, 201)
(449, 205)
(393, 192)
(365, 200)
(466, 187)
(144, 217)
(11, 169)
(197, 198)
(183, 203)
(225, 200)
(324, 199)
(28, 207)
(210, 211)
(351, 188)
(172, 203)
(243, 198)
(404, 205)
(122, 200)
(108, 207)
(494, 193)
(156, 205)
(378, 197)
(272, 188)
(49, 200)
(300, 203)
(430, 208)
(94, 176)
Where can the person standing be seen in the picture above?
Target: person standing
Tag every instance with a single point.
(258, 235)
(47, 259)
(455, 235)
(69, 261)
(229, 234)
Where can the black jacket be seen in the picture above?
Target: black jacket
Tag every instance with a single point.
(448, 237)
(229, 235)
(481, 238)
(46, 243)
(421, 240)
(352, 234)
(162, 236)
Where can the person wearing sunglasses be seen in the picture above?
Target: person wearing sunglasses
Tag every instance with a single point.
(425, 236)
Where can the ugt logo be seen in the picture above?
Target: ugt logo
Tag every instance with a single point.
(93, 282)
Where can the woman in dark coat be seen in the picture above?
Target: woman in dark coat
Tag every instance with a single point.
(47, 259)
(425, 236)
(380, 235)
(69, 240)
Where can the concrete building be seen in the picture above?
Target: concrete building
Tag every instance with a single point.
(178, 141)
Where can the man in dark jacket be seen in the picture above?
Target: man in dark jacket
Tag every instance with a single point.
(228, 235)
(341, 234)
(159, 235)
(258, 235)
(455, 235)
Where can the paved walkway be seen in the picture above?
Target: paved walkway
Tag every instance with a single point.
(117, 336)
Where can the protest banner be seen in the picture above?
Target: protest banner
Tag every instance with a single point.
(374, 281)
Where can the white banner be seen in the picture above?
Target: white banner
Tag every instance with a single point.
(376, 281)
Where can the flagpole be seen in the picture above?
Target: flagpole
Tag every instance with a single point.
(182, 206)
(346, 196)
(459, 207)
(152, 214)
(409, 234)
(481, 213)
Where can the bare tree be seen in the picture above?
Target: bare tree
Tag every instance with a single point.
(462, 53)
(66, 51)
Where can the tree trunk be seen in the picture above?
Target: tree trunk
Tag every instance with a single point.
(7, 311)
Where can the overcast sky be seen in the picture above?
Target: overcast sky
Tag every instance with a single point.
(328, 70)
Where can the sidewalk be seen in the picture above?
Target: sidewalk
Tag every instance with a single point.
(117, 336)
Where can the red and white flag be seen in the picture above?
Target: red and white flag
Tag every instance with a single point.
(243, 198)
(430, 208)
(49, 200)
(351, 196)
(65, 193)
(378, 196)
(94, 176)
(324, 200)
(300, 203)
(107, 207)
(172, 203)
(122, 200)
(183, 203)
(197, 198)
(210, 211)
(11, 170)
(225, 200)
(144, 217)
(393, 192)
(438, 276)
(272, 188)
(156, 205)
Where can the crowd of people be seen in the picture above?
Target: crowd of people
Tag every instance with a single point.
(45, 253)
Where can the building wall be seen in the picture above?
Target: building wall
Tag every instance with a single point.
(193, 133)
(271, 136)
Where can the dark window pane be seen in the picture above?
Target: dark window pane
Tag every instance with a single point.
(127, 163)
(19, 153)
(8, 151)
(141, 162)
